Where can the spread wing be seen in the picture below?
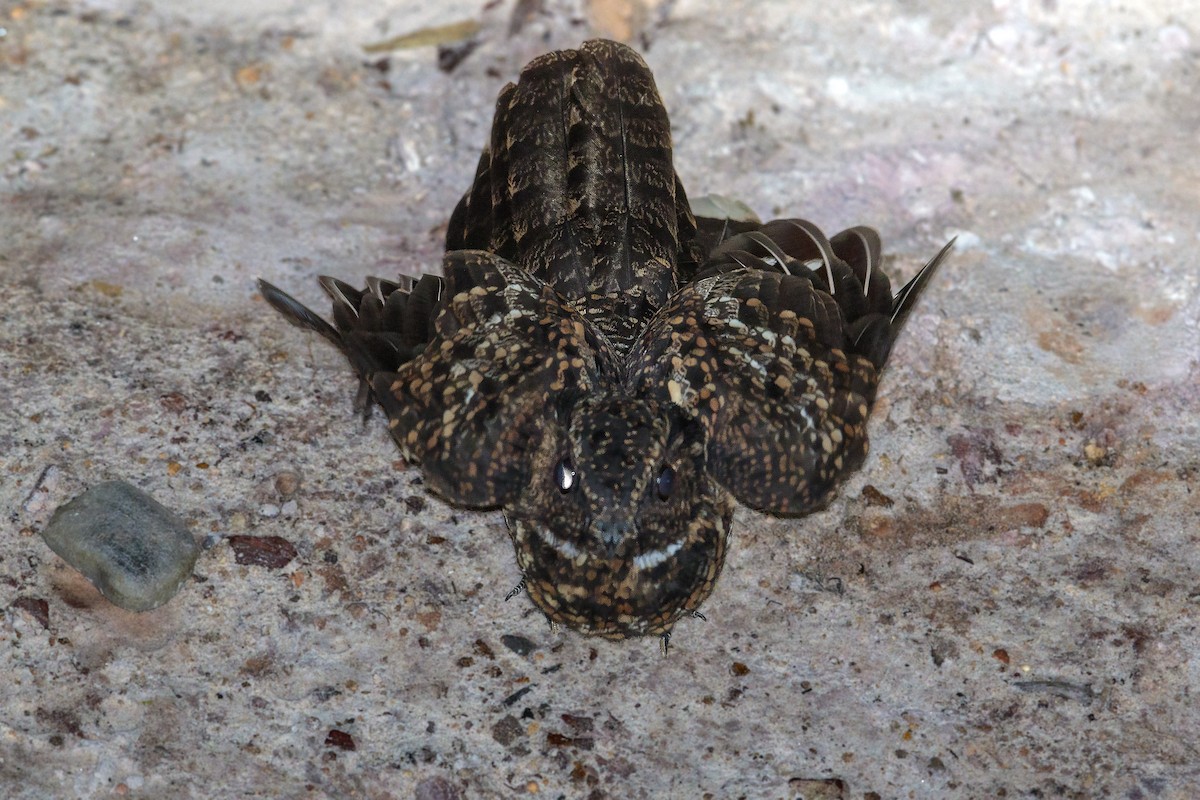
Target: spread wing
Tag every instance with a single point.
(470, 382)
(777, 347)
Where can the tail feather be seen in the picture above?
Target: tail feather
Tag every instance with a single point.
(378, 329)
(847, 268)
(862, 250)
(876, 338)
(296, 312)
(906, 298)
(421, 309)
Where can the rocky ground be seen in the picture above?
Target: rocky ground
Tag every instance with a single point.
(1003, 602)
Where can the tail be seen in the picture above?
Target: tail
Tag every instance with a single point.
(378, 328)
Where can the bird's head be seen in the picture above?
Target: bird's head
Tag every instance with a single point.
(620, 530)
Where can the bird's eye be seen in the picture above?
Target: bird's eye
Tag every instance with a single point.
(666, 483)
(564, 476)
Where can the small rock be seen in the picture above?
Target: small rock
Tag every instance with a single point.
(133, 549)
(874, 497)
(513, 698)
(340, 740)
(507, 730)
(579, 724)
(287, 482)
(518, 644)
(1095, 453)
(35, 607)
(274, 552)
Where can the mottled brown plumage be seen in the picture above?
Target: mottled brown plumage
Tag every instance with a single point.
(609, 371)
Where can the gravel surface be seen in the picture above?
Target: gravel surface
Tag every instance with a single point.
(1003, 603)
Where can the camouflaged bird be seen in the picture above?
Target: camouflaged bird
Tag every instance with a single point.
(610, 371)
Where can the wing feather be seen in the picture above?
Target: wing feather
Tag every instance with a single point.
(469, 369)
(777, 348)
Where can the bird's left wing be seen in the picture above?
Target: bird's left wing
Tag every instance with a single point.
(470, 403)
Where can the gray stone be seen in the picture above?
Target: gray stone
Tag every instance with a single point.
(134, 549)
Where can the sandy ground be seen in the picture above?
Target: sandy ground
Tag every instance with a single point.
(1003, 603)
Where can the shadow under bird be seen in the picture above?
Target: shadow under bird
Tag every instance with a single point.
(610, 371)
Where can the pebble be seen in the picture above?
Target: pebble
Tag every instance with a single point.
(518, 644)
(132, 548)
(273, 552)
(340, 739)
(35, 607)
(287, 482)
(507, 730)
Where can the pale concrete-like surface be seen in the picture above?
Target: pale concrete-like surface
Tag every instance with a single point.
(1020, 620)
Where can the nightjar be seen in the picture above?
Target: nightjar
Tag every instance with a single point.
(610, 371)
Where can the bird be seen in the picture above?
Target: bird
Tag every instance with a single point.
(609, 371)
